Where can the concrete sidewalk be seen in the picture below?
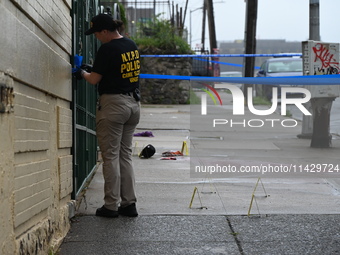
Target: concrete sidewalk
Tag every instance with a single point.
(288, 214)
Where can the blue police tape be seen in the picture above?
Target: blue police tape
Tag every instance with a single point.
(224, 55)
(333, 79)
(222, 63)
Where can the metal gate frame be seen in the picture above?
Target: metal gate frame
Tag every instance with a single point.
(84, 96)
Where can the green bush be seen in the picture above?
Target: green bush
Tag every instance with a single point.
(162, 35)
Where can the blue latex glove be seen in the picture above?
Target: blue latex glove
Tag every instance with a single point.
(76, 72)
(77, 62)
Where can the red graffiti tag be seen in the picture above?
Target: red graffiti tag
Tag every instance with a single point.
(326, 58)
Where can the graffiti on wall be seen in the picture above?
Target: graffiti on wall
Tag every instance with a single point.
(326, 59)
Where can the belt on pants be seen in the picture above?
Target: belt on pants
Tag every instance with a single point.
(128, 94)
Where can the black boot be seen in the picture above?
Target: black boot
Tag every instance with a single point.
(129, 210)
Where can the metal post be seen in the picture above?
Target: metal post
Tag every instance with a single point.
(191, 11)
(190, 29)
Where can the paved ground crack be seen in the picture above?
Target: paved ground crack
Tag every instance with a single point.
(238, 242)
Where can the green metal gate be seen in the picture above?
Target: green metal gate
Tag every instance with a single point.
(84, 97)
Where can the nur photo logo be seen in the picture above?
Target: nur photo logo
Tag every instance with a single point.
(238, 106)
(204, 97)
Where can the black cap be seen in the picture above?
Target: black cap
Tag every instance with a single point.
(99, 23)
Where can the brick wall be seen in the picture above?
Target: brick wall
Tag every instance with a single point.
(36, 135)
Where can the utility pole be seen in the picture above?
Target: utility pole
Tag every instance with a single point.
(317, 126)
(211, 24)
(321, 106)
(212, 31)
(203, 25)
(314, 20)
(249, 42)
(314, 34)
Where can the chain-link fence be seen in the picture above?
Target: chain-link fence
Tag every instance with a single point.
(141, 15)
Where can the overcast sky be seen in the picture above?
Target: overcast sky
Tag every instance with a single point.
(277, 19)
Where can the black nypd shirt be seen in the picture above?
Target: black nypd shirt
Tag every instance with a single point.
(119, 64)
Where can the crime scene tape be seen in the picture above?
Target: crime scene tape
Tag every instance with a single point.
(197, 57)
(333, 79)
(223, 55)
(222, 63)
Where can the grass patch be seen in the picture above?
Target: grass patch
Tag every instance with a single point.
(261, 101)
(193, 99)
(288, 114)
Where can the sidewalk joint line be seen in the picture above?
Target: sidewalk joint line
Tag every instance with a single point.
(238, 242)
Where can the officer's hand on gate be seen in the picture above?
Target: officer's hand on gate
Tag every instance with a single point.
(86, 67)
(77, 74)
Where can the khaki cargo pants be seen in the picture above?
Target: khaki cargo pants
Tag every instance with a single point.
(116, 119)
